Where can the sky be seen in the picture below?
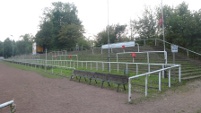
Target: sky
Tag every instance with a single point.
(19, 17)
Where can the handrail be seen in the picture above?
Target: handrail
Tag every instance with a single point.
(9, 103)
(142, 52)
(105, 62)
(148, 73)
(146, 79)
(147, 52)
(181, 47)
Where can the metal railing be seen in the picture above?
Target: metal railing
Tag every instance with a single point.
(144, 52)
(187, 51)
(10, 104)
(94, 65)
(100, 65)
(159, 79)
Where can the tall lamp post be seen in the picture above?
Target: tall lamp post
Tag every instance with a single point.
(108, 35)
(163, 24)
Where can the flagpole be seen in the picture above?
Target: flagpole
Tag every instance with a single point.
(163, 24)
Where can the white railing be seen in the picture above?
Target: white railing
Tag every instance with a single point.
(9, 103)
(188, 51)
(99, 65)
(146, 79)
(94, 65)
(144, 52)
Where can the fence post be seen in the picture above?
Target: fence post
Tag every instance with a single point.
(146, 83)
(163, 72)
(102, 66)
(136, 69)
(187, 53)
(96, 66)
(117, 59)
(77, 61)
(129, 90)
(169, 78)
(109, 67)
(159, 81)
(91, 65)
(138, 48)
(180, 73)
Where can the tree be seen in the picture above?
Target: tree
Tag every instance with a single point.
(8, 48)
(116, 34)
(24, 46)
(60, 27)
(1, 48)
(145, 26)
(181, 26)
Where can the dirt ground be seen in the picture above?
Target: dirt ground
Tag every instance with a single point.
(34, 93)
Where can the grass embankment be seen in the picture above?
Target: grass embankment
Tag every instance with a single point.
(39, 70)
(138, 85)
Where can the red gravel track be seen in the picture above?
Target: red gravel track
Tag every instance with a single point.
(34, 93)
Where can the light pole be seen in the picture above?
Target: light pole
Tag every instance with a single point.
(12, 42)
(3, 49)
(108, 35)
(163, 24)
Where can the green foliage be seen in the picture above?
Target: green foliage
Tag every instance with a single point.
(1, 48)
(10, 48)
(182, 26)
(24, 46)
(116, 34)
(146, 26)
(60, 27)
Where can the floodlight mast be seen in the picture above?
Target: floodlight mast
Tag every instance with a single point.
(163, 24)
(108, 34)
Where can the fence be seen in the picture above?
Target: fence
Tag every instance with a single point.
(145, 52)
(9, 103)
(117, 67)
(187, 52)
(159, 79)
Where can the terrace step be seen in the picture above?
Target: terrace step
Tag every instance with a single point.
(191, 77)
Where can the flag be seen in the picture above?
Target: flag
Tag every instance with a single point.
(160, 22)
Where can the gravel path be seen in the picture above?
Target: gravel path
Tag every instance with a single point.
(36, 94)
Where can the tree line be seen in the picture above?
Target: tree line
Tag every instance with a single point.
(60, 28)
(10, 47)
(181, 26)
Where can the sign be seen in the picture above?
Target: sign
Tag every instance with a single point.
(133, 55)
(119, 45)
(174, 48)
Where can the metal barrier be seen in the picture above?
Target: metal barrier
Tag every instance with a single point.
(188, 51)
(9, 103)
(99, 65)
(92, 65)
(144, 52)
(146, 79)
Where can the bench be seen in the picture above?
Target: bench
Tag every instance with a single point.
(80, 74)
(101, 77)
(117, 79)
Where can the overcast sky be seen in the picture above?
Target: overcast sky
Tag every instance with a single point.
(19, 17)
